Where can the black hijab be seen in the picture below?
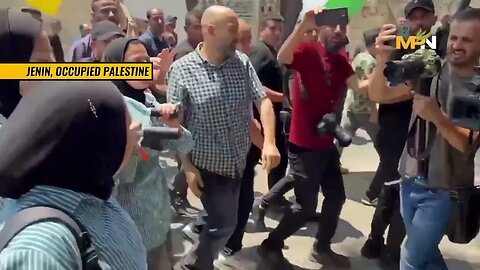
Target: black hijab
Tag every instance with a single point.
(18, 31)
(115, 52)
(68, 134)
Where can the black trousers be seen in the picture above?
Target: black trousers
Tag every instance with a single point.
(278, 173)
(245, 202)
(220, 201)
(310, 171)
(390, 143)
(387, 213)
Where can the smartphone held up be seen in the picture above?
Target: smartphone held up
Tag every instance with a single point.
(337, 16)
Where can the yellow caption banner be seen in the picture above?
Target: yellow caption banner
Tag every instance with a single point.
(76, 71)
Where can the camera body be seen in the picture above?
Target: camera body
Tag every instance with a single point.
(329, 125)
(411, 67)
(466, 108)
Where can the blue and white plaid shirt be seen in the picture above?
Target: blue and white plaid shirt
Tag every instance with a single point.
(218, 100)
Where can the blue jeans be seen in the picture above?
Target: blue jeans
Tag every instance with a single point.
(426, 213)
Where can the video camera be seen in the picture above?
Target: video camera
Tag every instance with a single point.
(466, 108)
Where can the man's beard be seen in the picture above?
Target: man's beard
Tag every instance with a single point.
(228, 49)
(334, 47)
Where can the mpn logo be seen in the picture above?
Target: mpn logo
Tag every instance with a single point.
(420, 40)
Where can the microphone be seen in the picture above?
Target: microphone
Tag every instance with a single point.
(154, 112)
(152, 136)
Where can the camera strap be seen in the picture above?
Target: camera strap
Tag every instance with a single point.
(431, 131)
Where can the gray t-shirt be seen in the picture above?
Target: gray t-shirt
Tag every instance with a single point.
(448, 168)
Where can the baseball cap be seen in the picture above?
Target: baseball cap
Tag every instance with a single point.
(105, 30)
(423, 4)
(170, 19)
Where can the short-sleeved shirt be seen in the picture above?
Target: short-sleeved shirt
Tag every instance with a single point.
(182, 49)
(81, 49)
(363, 65)
(154, 44)
(448, 167)
(219, 100)
(264, 60)
(323, 76)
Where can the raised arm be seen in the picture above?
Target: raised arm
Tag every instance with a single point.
(379, 91)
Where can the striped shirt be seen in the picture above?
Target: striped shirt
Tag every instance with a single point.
(143, 187)
(51, 245)
(218, 99)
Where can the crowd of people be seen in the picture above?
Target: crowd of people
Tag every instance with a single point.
(74, 146)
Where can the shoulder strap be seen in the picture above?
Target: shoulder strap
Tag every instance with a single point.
(39, 214)
(411, 139)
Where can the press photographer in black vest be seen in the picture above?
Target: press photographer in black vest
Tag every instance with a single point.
(425, 190)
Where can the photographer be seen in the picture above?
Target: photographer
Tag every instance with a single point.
(394, 113)
(426, 203)
(314, 159)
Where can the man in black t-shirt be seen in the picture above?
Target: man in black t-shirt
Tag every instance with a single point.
(394, 118)
(270, 73)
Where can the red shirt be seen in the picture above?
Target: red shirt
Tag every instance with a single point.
(312, 62)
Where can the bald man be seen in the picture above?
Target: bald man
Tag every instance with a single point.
(218, 85)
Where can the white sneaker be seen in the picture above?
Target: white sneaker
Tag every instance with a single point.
(234, 262)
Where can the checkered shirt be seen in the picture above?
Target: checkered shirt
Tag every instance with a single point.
(219, 103)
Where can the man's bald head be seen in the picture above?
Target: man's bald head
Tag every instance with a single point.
(244, 37)
(220, 29)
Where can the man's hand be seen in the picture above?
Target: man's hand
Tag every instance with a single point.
(270, 156)
(168, 117)
(308, 20)
(386, 35)
(194, 179)
(164, 60)
(427, 108)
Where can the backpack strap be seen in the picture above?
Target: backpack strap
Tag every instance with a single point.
(39, 214)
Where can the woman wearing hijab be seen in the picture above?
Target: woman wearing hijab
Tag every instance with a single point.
(67, 161)
(21, 40)
(143, 189)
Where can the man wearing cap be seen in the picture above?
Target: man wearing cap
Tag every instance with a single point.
(170, 26)
(102, 34)
(100, 10)
(394, 118)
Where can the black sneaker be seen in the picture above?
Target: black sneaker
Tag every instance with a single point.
(369, 202)
(389, 262)
(372, 249)
(182, 207)
(330, 259)
(273, 259)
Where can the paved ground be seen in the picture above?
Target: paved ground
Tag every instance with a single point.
(362, 160)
